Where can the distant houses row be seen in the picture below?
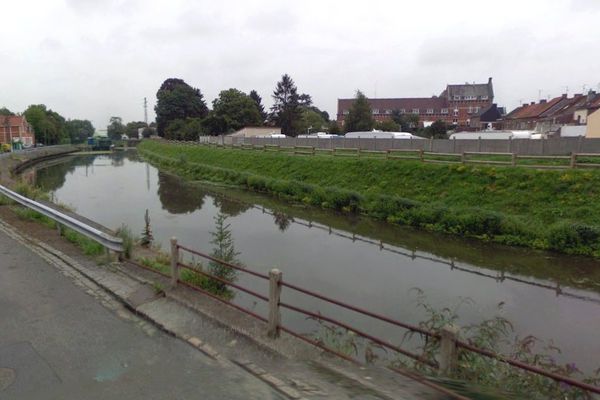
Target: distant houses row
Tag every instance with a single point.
(471, 107)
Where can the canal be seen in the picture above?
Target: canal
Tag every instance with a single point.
(374, 265)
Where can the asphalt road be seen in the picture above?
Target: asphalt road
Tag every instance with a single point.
(59, 342)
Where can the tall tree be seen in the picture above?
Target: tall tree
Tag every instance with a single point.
(312, 120)
(79, 130)
(360, 116)
(48, 126)
(177, 100)
(286, 111)
(235, 109)
(261, 108)
(407, 122)
(115, 129)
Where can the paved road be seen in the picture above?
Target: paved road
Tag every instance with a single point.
(59, 342)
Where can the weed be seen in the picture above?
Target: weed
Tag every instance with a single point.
(89, 246)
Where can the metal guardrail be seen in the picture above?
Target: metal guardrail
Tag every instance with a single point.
(108, 241)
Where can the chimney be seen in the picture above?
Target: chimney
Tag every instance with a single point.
(543, 101)
(489, 80)
(591, 94)
(533, 102)
(564, 96)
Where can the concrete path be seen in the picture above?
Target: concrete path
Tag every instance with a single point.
(63, 338)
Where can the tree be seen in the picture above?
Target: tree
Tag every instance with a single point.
(234, 110)
(334, 128)
(360, 116)
(132, 129)
(223, 250)
(437, 130)
(188, 129)
(115, 129)
(258, 100)
(407, 122)
(177, 100)
(387, 126)
(286, 111)
(312, 120)
(78, 130)
(48, 126)
(6, 112)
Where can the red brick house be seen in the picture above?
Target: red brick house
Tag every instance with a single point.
(16, 128)
(456, 105)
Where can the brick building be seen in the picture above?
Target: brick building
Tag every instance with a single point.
(456, 105)
(15, 128)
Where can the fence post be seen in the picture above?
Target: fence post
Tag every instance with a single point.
(274, 297)
(573, 159)
(513, 159)
(174, 261)
(431, 143)
(448, 349)
(479, 144)
(421, 155)
(463, 157)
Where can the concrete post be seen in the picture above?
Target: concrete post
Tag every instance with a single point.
(174, 261)
(573, 160)
(479, 144)
(421, 155)
(448, 349)
(274, 298)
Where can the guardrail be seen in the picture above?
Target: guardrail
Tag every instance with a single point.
(108, 241)
(449, 342)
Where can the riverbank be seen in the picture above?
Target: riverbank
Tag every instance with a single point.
(539, 209)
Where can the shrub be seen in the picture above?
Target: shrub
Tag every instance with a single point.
(574, 238)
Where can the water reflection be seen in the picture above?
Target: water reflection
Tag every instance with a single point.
(351, 258)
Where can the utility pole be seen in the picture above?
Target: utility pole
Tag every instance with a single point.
(146, 111)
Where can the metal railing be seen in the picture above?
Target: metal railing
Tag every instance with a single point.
(110, 242)
(448, 336)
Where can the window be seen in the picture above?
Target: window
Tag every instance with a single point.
(470, 110)
(402, 111)
(456, 97)
(456, 112)
(484, 97)
(444, 111)
(415, 110)
(477, 110)
(375, 111)
(388, 112)
(346, 112)
(430, 111)
(455, 121)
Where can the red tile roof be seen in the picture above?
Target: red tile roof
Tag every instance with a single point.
(12, 120)
(533, 110)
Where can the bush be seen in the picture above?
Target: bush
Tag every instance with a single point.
(574, 238)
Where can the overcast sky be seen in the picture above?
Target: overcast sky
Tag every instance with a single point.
(92, 59)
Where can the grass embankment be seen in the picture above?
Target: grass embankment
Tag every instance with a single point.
(555, 210)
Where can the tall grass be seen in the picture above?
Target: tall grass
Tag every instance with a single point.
(552, 210)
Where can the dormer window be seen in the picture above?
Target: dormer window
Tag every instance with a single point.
(444, 111)
(430, 111)
(456, 98)
(375, 111)
(415, 110)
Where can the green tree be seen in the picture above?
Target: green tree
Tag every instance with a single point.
(437, 130)
(177, 100)
(78, 130)
(131, 129)
(258, 100)
(115, 129)
(286, 111)
(407, 122)
(312, 120)
(223, 250)
(360, 115)
(236, 110)
(6, 112)
(48, 126)
(334, 128)
(387, 126)
(188, 129)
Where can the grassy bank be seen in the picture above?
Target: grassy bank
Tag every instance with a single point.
(553, 210)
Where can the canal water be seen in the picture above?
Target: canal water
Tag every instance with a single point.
(370, 264)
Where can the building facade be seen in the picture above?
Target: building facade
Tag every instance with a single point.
(456, 105)
(15, 128)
